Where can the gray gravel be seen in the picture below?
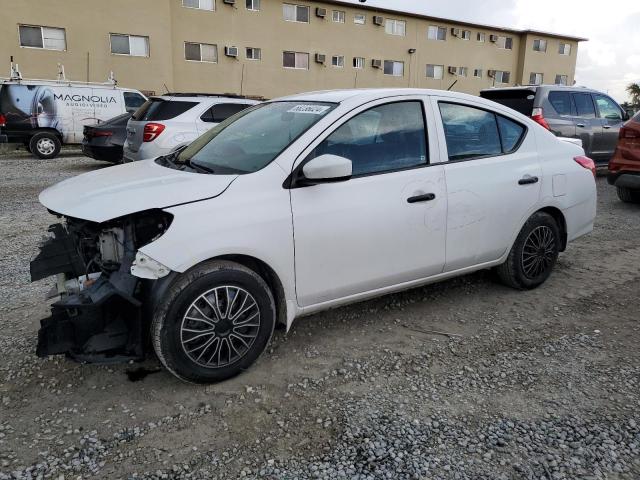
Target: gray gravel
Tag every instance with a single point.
(539, 385)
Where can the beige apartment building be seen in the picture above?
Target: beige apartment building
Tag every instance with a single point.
(271, 48)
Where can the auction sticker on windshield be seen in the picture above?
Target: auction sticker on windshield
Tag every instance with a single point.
(312, 109)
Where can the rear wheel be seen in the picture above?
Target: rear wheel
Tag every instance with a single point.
(45, 145)
(628, 195)
(534, 253)
(214, 322)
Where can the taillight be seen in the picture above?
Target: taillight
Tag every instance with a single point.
(151, 131)
(101, 133)
(3, 120)
(587, 163)
(628, 133)
(538, 117)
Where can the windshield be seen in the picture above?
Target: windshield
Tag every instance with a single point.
(253, 138)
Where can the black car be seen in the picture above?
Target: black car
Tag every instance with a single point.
(104, 141)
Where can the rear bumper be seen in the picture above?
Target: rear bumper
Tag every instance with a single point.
(112, 153)
(625, 179)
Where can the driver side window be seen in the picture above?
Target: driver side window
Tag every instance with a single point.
(607, 108)
(382, 139)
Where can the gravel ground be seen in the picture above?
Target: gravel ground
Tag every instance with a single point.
(534, 385)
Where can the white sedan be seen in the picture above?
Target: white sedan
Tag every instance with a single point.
(298, 205)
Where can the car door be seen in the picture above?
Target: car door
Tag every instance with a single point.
(493, 180)
(560, 114)
(610, 119)
(587, 124)
(385, 225)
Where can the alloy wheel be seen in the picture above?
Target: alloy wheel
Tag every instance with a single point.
(538, 252)
(46, 146)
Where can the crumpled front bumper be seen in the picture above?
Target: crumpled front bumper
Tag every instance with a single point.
(100, 324)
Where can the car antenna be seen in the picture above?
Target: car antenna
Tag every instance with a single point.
(452, 85)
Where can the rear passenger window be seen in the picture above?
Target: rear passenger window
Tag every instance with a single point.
(383, 139)
(584, 105)
(470, 132)
(510, 133)
(561, 102)
(220, 112)
(157, 109)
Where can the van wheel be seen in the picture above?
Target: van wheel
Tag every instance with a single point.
(627, 195)
(213, 322)
(45, 145)
(533, 254)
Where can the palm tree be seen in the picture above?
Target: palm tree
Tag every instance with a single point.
(633, 89)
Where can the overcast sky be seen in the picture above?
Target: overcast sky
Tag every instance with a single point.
(609, 61)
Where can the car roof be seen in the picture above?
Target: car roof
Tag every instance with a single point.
(204, 98)
(369, 94)
(534, 88)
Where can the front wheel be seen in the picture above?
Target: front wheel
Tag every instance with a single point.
(214, 322)
(45, 145)
(533, 255)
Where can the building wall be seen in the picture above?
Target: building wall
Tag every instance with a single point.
(168, 25)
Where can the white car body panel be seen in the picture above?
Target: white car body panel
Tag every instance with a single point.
(338, 243)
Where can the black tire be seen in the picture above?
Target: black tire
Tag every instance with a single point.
(45, 145)
(526, 268)
(627, 195)
(183, 307)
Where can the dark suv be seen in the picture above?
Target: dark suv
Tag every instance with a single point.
(571, 112)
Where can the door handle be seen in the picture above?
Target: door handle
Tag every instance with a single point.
(427, 197)
(581, 125)
(607, 127)
(527, 180)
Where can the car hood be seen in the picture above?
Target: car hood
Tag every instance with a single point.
(112, 192)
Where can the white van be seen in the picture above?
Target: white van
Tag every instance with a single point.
(44, 115)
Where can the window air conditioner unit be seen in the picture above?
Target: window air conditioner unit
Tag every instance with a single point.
(321, 12)
(493, 38)
(229, 2)
(453, 70)
(376, 63)
(455, 32)
(491, 73)
(321, 58)
(377, 20)
(231, 51)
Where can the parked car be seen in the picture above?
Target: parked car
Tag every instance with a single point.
(165, 124)
(385, 190)
(104, 141)
(624, 167)
(571, 112)
(44, 115)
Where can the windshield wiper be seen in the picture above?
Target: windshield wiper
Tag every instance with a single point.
(198, 166)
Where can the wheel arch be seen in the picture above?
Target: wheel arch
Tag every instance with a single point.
(558, 216)
(52, 131)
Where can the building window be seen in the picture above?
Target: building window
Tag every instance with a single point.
(295, 13)
(47, 38)
(358, 62)
(562, 79)
(359, 19)
(338, 16)
(395, 27)
(539, 45)
(133, 45)
(466, 35)
(297, 60)
(200, 52)
(337, 61)
(253, 5)
(477, 73)
(394, 68)
(505, 43)
(565, 49)
(481, 37)
(435, 71)
(200, 4)
(458, 71)
(254, 53)
(437, 33)
(502, 77)
(535, 78)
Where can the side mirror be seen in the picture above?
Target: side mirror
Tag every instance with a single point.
(326, 169)
(627, 114)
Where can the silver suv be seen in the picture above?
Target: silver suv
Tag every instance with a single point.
(166, 123)
(570, 112)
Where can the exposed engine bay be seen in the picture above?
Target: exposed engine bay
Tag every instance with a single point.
(101, 315)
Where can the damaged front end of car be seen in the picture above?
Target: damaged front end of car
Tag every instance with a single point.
(103, 282)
